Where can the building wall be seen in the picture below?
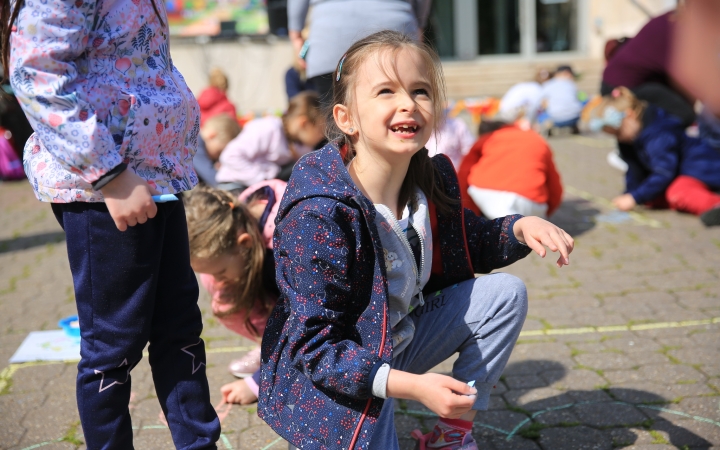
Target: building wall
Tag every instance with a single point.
(256, 68)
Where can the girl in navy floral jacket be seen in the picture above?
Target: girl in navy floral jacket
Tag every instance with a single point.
(375, 262)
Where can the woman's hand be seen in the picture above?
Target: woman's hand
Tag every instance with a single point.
(238, 392)
(297, 42)
(625, 202)
(443, 395)
(129, 200)
(538, 233)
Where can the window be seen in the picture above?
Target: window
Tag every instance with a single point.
(498, 27)
(556, 25)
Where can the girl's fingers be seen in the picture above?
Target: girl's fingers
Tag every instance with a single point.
(460, 387)
(535, 245)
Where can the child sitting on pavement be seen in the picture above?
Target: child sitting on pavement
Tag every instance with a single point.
(231, 247)
(215, 134)
(560, 97)
(509, 170)
(268, 147)
(666, 167)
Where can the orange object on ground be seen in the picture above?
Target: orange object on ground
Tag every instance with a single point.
(512, 160)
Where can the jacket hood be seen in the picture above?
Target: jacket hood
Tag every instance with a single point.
(209, 97)
(321, 173)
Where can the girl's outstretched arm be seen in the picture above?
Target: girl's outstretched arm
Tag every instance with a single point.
(315, 253)
(492, 243)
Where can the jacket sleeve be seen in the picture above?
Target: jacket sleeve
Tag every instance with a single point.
(297, 13)
(554, 185)
(313, 261)
(44, 67)
(492, 243)
(663, 153)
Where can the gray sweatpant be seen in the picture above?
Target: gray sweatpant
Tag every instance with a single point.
(479, 318)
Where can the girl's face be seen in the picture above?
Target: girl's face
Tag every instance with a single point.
(393, 108)
(228, 267)
(630, 127)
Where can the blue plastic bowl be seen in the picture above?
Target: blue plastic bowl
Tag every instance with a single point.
(70, 325)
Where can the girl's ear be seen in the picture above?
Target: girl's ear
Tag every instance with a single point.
(244, 240)
(630, 113)
(341, 114)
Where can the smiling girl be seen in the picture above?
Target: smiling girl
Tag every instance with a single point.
(375, 262)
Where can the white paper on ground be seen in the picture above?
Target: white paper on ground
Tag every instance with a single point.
(52, 345)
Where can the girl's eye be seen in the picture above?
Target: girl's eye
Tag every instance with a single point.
(422, 92)
(385, 91)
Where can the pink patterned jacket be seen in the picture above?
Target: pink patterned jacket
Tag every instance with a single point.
(97, 82)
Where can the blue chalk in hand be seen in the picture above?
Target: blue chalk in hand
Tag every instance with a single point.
(164, 198)
(471, 383)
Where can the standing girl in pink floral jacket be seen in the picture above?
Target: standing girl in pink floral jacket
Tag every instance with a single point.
(114, 124)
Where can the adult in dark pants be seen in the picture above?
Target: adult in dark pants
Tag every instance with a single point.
(642, 65)
(337, 24)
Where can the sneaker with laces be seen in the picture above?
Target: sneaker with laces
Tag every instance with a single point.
(247, 365)
(444, 438)
(711, 217)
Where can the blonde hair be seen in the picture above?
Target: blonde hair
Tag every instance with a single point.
(215, 220)
(421, 172)
(218, 79)
(622, 99)
(226, 127)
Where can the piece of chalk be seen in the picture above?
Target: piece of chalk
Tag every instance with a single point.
(471, 383)
(164, 198)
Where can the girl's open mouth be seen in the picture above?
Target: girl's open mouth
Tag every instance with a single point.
(405, 130)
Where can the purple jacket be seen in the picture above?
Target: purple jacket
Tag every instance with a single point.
(329, 333)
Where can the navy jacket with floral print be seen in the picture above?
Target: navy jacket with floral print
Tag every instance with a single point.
(329, 332)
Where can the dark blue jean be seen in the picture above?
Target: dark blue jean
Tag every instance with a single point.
(131, 288)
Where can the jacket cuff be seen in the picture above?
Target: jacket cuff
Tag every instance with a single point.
(511, 233)
(109, 176)
(373, 374)
(380, 380)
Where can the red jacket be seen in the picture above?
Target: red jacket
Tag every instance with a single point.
(212, 102)
(512, 160)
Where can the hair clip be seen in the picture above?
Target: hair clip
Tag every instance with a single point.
(339, 71)
(615, 93)
(232, 205)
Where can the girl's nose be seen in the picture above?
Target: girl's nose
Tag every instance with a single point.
(407, 103)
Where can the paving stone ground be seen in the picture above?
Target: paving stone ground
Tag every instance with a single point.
(620, 350)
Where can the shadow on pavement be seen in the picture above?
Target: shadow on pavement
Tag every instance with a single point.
(35, 240)
(602, 418)
(575, 216)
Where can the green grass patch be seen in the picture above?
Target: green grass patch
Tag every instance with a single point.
(71, 435)
(658, 438)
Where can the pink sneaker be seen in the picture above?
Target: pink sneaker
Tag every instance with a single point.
(444, 439)
(247, 365)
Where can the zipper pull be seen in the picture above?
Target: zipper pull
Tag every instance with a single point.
(421, 298)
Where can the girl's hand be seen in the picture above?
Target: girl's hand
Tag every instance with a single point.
(238, 392)
(625, 202)
(536, 233)
(129, 200)
(443, 395)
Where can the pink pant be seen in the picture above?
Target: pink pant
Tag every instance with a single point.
(688, 194)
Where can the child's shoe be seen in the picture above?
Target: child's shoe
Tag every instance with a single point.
(247, 365)
(448, 434)
(711, 217)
